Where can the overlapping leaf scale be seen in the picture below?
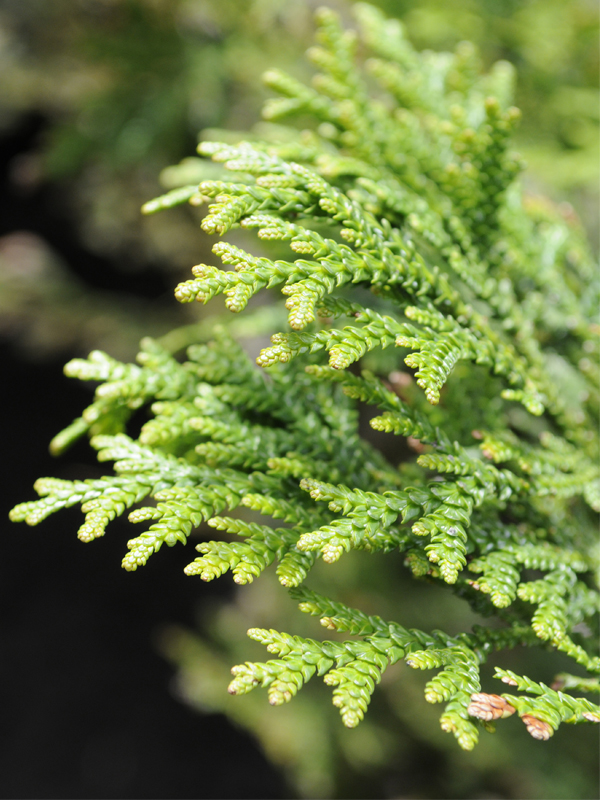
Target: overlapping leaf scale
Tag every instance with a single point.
(102, 499)
(550, 620)
(238, 443)
(178, 511)
(332, 270)
(379, 253)
(222, 360)
(459, 656)
(171, 424)
(490, 145)
(140, 472)
(436, 352)
(295, 513)
(500, 577)
(369, 522)
(340, 97)
(500, 570)
(353, 668)
(454, 685)
(556, 468)
(247, 560)
(338, 616)
(124, 388)
(547, 706)
(407, 79)
(399, 417)
(345, 346)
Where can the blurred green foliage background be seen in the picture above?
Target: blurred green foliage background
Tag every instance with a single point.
(123, 87)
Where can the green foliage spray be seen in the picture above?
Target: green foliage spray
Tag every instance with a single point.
(394, 221)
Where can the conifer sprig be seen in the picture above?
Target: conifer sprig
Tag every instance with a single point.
(398, 226)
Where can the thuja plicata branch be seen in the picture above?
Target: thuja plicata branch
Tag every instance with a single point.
(401, 225)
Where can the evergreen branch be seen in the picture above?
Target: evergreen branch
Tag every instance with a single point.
(405, 226)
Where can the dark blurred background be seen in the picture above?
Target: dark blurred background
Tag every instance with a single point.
(113, 684)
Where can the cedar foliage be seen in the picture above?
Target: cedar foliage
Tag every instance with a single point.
(404, 228)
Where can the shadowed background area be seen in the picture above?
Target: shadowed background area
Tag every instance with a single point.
(113, 684)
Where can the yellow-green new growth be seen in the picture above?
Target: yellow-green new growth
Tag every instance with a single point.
(399, 227)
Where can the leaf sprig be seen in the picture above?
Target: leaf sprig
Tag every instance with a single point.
(406, 232)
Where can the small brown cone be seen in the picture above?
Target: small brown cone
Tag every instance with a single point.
(537, 727)
(489, 706)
